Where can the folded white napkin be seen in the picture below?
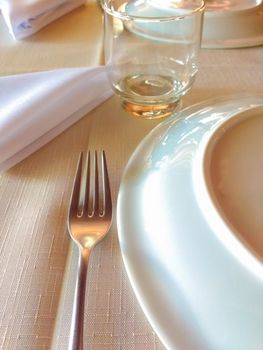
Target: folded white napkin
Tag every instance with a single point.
(25, 17)
(36, 107)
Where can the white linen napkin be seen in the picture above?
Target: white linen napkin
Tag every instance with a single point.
(25, 17)
(36, 107)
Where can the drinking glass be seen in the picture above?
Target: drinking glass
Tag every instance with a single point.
(151, 52)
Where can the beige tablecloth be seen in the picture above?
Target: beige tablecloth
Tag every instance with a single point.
(35, 251)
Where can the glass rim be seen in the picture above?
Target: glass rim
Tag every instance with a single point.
(125, 16)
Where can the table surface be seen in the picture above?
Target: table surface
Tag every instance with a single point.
(34, 195)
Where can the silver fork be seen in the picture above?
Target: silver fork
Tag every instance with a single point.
(89, 220)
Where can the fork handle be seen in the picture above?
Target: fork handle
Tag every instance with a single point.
(77, 320)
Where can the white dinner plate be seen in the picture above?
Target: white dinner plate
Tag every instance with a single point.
(190, 223)
(233, 24)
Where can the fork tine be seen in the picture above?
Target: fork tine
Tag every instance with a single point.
(92, 185)
(107, 207)
(96, 185)
(87, 203)
(74, 202)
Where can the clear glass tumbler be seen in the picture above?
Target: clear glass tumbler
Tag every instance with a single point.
(151, 52)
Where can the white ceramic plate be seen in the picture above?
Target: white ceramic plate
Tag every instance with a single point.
(233, 24)
(191, 248)
(227, 23)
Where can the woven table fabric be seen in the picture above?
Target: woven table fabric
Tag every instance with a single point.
(37, 260)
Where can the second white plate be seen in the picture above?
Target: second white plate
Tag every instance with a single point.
(233, 24)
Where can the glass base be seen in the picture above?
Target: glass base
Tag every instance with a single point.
(155, 111)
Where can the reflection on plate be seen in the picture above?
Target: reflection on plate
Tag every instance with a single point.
(196, 274)
(227, 23)
(180, 31)
(233, 23)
